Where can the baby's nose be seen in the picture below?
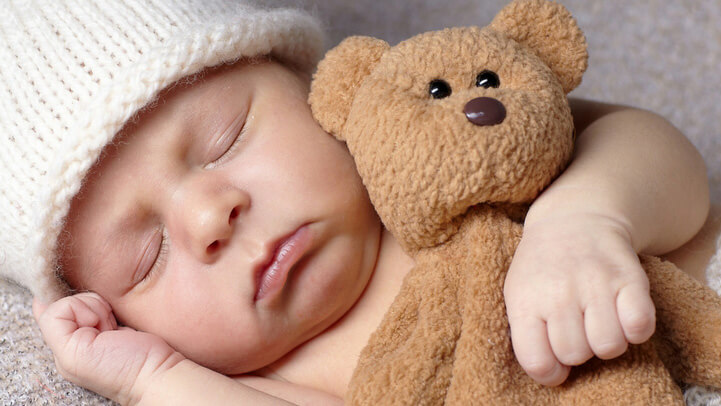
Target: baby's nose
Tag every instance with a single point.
(485, 111)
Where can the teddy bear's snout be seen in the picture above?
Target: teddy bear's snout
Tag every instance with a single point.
(485, 111)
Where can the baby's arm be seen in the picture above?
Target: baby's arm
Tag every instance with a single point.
(188, 383)
(575, 287)
(133, 367)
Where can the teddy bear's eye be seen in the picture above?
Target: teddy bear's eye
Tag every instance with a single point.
(487, 79)
(439, 89)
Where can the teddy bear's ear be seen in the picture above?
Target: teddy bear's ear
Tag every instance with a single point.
(551, 32)
(338, 77)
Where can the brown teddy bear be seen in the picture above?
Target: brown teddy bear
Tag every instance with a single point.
(454, 133)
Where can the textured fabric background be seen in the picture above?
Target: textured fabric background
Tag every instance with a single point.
(659, 55)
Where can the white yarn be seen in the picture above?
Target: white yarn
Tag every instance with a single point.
(74, 71)
(700, 396)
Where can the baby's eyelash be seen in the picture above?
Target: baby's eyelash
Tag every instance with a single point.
(160, 258)
(228, 154)
(234, 146)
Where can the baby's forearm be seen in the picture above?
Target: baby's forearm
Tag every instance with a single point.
(187, 383)
(636, 167)
(190, 384)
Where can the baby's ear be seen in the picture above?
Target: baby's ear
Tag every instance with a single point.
(339, 76)
(548, 29)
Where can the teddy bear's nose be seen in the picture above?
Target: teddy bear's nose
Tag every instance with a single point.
(485, 111)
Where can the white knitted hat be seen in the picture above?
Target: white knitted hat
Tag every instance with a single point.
(72, 72)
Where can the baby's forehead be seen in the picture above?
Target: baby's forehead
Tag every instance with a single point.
(193, 95)
(193, 103)
(217, 78)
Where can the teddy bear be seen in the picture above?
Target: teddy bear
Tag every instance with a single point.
(454, 133)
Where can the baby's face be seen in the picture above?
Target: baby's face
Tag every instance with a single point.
(225, 220)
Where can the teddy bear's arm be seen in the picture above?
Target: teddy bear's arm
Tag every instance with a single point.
(688, 332)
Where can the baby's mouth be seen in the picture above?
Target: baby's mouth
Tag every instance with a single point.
(271, 275)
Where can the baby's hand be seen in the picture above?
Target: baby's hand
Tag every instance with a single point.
(92, 351)
(575, 288)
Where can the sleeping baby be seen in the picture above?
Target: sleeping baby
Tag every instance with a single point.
(191, 234)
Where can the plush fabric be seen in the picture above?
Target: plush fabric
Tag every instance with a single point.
(452, 190)
(660, 55)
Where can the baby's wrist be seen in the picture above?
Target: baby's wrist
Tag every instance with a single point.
(593, 219)
(578, 207)
(156, 381)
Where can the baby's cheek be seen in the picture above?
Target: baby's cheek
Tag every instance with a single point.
(219, 341)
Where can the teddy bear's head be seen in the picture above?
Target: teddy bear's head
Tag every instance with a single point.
(450, 119)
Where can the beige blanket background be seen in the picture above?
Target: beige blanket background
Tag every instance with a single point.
(660, 55)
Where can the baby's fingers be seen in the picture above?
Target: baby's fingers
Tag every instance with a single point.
(534, 353)
(85, 313)
(567, 335)
(603, 329)
(636, 312)
(38, 308)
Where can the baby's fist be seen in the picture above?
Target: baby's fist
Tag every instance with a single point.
(92, 351)
(575, 289)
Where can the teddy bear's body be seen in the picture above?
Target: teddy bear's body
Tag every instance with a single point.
(446, 339)
(454, 133)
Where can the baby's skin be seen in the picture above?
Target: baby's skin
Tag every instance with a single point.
(234, 243)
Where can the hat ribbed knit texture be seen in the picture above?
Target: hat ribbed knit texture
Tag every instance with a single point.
(72, 72)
